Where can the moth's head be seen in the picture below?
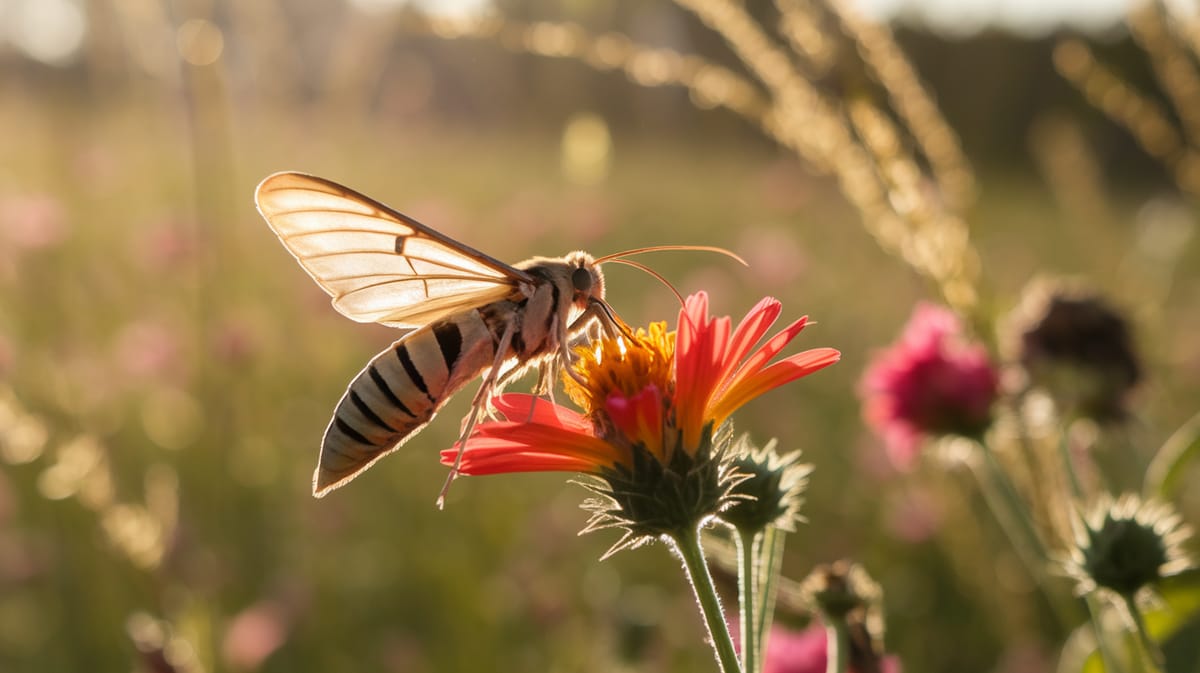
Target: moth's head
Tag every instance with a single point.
(587, 281)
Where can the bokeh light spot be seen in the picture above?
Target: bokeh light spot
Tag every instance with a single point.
(199, 42)
(50, 31)
(586, 149)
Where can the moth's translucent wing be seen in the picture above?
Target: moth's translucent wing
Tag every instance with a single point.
(377, 264)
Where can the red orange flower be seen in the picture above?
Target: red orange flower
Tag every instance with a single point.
(657, 392)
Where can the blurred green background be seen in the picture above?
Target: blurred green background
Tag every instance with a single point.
(167, 370)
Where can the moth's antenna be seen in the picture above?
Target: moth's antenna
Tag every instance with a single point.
(652, 272)
(619, 258)
(659, 248)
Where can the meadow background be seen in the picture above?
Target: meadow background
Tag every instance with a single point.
(167, 370)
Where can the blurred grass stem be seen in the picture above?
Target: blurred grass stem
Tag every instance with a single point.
(1095, 607)
(1149, 655)
(1006, 504)
(1017, 523)
(838, 653)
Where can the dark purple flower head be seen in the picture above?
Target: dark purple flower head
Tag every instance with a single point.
(932, 381)
(1072, 343)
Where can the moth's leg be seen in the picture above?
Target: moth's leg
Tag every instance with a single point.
(581, 324)
(548, 370)
(478, 403)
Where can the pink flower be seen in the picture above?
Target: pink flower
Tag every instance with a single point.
(930, 382)
(805, 651)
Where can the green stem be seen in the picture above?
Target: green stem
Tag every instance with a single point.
(687, 544)
(838, 653)
(749, 545)
(1017, 524)
(1028, 542)
(1095, 610)
(772, 553)
(1064, 450)
(1149, 654)
(1094, 606)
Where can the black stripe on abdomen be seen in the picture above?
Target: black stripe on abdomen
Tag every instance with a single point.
(384, 388)
(350, 432)
(450, 339)
(369, 413)
(411, 370)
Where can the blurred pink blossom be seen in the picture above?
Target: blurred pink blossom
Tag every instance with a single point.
(790, 651)
(31, 222)
(774, 254)
(930, 382)
(786, 186)
(527, 215)
(236, 340)
(254, 634)
(591, 216)
(913, 515)
(96, 167)
(6, 356)
(148, 349)
(8, 502)
(166, 244)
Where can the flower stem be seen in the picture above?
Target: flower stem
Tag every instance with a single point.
(687, 545)
(1094, 606)
(1027, 540)
(1016, 522)
(1064, 451)
(749, 564)
(838, 653)
(1149, 655)
(1095, 612)
(771, 552)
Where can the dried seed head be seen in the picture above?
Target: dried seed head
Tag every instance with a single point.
(1126, 545)
(772, 491)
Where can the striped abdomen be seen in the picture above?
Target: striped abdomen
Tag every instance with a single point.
(400, 391)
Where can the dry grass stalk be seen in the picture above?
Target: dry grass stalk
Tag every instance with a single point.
(709, 85)
(903, 209)
(937, 246)
(1144, 118)
(914, 105)
(1070, 169)
(801, 26)
(1173, 65)
(1150, 124)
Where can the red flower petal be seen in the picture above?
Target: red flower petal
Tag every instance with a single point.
(639, 417)
(752, 328)
(779, 373)
(763, 355)
(516, 407)
(508, 457)
(531, 444)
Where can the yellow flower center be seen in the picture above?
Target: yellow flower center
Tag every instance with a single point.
(623, 366)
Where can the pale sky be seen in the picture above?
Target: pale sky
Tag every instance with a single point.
(53, 31)
(1031, 17)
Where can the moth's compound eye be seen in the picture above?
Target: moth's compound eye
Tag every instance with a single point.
(581, 278)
